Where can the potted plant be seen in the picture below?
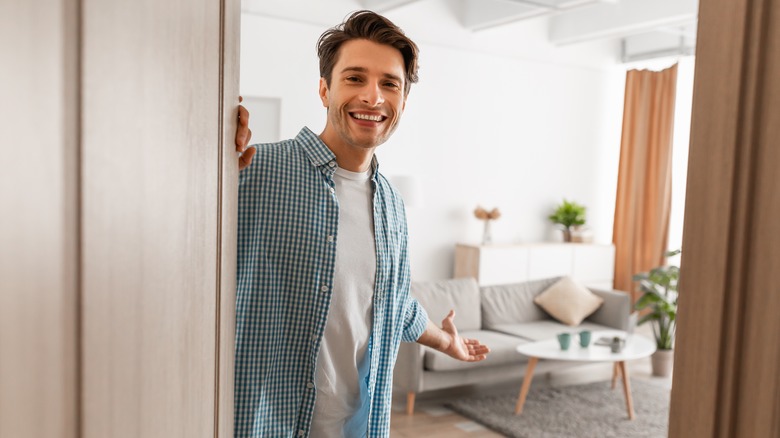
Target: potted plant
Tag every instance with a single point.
(659, 300)
(568, 215)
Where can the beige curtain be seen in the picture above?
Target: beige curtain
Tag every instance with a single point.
(644, 190)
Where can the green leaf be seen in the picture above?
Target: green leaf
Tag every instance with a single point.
(673, 252)
(648, 317)
(642, 302)
(568, 214)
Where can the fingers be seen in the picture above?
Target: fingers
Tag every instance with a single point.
(480, 350)
(246, 158)
(240, 99)
(477, 351)
(243, 115)
(471, 341)
(243, 133)
(449, 318)
(475, 354)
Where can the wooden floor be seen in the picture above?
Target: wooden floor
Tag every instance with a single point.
(432, 420)
(437, 424)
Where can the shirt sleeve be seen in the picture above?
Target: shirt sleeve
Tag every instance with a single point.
(415, 320)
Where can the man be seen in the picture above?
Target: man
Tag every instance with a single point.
(323, 271)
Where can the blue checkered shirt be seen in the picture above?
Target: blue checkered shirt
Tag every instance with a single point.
(287, 237)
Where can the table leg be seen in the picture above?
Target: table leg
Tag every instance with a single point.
(627, 389)
(529, 374)
(615, 373)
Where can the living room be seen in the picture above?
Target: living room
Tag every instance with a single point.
(119, 187)
(503, 117)
(513, 126)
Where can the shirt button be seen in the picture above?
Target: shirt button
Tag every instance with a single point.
(310, 385)
(331, 239)
(301, 433)
(332, 190)
(324, 288)
(332, 164)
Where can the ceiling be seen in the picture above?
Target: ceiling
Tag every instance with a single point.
(637, 29)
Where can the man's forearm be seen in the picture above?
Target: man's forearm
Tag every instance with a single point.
(435, 337)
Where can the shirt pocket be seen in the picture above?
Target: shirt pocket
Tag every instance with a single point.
(396, 244)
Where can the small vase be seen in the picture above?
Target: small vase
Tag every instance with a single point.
(663, 361)
(487, 237)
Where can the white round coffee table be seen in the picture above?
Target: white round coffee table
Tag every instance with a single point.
(636, 347)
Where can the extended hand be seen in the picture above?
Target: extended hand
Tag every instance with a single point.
(243, 134)
(469, 350)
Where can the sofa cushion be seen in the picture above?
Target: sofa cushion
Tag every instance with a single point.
(568, 301)
(547, 329)
(512, 303)
(461, 294)
(502, 351)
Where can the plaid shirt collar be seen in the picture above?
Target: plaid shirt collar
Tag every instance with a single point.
(321, 156)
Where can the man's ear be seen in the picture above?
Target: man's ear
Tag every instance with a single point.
(324, 92)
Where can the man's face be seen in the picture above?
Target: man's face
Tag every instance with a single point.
(365, 98)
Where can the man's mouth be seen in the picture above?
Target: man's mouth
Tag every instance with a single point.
(369, 117)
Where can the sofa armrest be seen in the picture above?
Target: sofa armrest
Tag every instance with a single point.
(615, 312)
(408, 370)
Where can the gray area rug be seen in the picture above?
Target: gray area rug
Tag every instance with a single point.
(591, 410)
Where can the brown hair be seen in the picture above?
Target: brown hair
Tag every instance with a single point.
(373, 27)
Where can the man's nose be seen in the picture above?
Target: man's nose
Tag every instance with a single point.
(372, 94)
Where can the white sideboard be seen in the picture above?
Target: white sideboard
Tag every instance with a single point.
(589, 264)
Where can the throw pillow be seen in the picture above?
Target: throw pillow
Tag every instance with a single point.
(568, 301)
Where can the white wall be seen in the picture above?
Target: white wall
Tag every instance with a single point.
(682, 135)
(519, 131)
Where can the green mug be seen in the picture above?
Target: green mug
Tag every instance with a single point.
(585, 338)
(565, 340)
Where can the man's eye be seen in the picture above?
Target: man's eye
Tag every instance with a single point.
(391, 85)
(353, 79)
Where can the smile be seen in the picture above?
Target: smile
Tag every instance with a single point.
(369, 117)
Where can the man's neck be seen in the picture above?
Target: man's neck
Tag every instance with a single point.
(349, 157)
(354, 163)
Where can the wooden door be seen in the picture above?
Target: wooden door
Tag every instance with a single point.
(118, 220)
(157, 197)
(38, 219)
(727, 362)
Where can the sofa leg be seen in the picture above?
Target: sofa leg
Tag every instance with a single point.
(410, 403)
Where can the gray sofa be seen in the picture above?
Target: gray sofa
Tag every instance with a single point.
(501, 317)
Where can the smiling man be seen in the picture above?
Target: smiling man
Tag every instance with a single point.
(323, 270)
(363, 92)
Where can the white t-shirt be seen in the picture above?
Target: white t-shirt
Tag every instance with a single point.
(341, 406)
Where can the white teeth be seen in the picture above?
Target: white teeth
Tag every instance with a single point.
(367, 117)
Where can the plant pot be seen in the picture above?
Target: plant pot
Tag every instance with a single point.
(581, 234)
(663, 361)
(566, 234)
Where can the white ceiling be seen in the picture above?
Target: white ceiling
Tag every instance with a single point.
(632, 29)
